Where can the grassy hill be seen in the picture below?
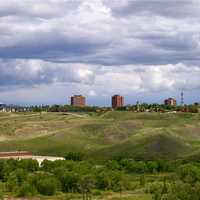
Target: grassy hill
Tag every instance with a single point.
(137, 135)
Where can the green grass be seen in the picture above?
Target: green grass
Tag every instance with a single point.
(136, 135)
(105, 196)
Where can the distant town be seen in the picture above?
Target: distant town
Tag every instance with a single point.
(78, 104)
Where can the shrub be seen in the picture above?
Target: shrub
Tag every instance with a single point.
(155, 187)
(189, 173)
(26, 190)
(137, 167)
(12, 183)
(47, 186)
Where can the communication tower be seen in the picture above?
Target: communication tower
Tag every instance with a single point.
(182, 98)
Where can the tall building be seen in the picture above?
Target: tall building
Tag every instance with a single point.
(78, 100)
(117, 101)
(170, 102)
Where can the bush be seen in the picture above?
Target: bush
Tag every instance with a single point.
(45, 183)
(26, 190)
(189, 173)
(47, 186)
(12, 183)
(155, 187)
(137, 167)
(152, 166)
(21, 175)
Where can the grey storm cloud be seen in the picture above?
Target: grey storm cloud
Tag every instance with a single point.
(90, 31)
(168, 8)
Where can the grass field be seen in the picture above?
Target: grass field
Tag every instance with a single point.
(136, 135)
(106, 196)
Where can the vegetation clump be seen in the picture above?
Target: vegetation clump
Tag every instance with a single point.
(162, 180)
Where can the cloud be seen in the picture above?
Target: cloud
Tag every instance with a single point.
(34, 72)
(168, 8)
(36, 8)
(100, 47)
(147, 32)
(142, 79)
(92, 93)
(125, 79)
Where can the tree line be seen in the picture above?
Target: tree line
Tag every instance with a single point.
(143, 107)
(24, 178)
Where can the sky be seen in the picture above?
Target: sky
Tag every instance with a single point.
(145, 50)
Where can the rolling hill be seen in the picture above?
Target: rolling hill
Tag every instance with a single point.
(145, 136)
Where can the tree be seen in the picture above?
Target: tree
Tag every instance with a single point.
(47, 165)
(75, 156)
(118, 181)
(29, 164)
(136, 167)
(103, 179)
(69, 181)
(86, 184)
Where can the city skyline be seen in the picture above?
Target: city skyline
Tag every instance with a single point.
(144, 50)
(107, 100)
(117, 101)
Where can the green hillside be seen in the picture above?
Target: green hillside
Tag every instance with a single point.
(137, 135)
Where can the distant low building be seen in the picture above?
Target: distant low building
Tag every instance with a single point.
(2, 108)
(12, 108)
(117, 101)
(78, 100)
(15, 153)
(170, 102)
(22, 155)
(7, 108)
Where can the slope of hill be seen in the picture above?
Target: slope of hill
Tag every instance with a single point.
(136, 135)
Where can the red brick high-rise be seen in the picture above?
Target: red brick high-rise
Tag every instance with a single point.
(117, 101)
(170, 102)
(78, 100)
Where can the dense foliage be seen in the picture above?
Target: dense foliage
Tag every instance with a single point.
(27, 178)
(62, 108)
(184, 185)
(194, 108)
